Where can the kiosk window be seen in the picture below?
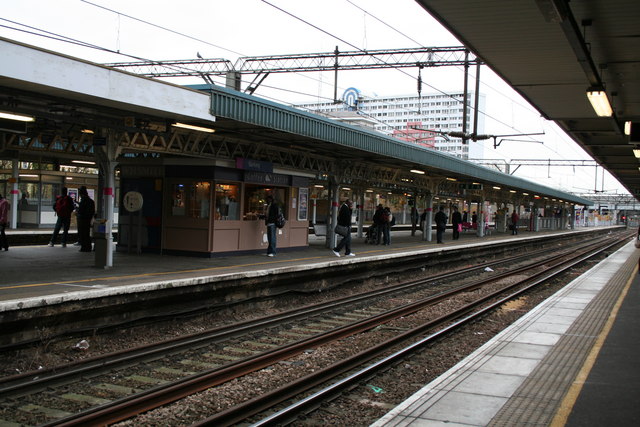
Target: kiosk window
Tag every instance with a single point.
(227, 202)
(200, 200)
(255, 203)
(178, 200)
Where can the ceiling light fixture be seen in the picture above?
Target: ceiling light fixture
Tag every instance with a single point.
(599, 101)
(636, 152)
(419, 172)
(83, 162)
(192, 127)
(627, 128)
(18, 117)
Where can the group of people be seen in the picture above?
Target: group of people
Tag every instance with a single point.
(64, 207)
(383, 220)
(85, 211)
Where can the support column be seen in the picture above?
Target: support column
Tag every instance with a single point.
(334, 195)
(360, 208)
(107, 182)
(572, 217)
(426, 228)
(15, 175)
(481, 213)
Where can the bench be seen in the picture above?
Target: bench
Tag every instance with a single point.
(320, 229)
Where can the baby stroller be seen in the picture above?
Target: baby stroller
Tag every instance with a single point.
(372, 234)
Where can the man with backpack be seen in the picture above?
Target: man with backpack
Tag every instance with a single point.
(63, 207)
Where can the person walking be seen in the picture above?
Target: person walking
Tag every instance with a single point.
(270, 221)
(441, 224)
(456, 222)
(63, 207)
(85, 213)
(4, 221)
(344, 229)
(514, 222)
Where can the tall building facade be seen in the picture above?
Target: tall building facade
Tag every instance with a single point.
(412, 118)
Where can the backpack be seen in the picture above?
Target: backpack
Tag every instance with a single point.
(280, 221)
(64, 206)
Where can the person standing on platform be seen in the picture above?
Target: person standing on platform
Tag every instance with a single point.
(344, 229)
(441, 224)
(270, 221)
(514, 222)
(387, 222)
(64, 207)
(85, 213)
(4, 221)
(414, 219)
(378, 222)
(456, 221)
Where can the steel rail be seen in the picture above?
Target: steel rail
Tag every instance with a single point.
(153, 398)
(26, 382)
(254, 406)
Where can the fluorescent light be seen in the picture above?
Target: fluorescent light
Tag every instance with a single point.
(451, 179)
(28, 175)
(497, 188)
(368, 191)
(525, 194)
(319, 186)
(83, 162)
(192, 127)
(17, 117)
(627, 128)
(512, 191)
(419, 172)
(599, 102)
(69, 178)
(346, 189)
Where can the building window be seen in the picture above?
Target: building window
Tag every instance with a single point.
(255, 201)
(227, 202)
(191, 199)
(178, 200)
(200, 200)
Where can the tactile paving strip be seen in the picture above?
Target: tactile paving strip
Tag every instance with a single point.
(537, 400)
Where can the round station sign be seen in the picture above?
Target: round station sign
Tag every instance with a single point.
(132, 201)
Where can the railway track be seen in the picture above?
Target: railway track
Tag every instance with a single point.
(108, 389)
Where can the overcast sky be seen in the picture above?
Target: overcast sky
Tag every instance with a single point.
(229, 29)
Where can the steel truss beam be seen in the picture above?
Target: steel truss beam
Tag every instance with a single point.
(328, 61)
(207, 146)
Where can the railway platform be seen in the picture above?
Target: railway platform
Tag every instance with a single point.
(42, 272)
(572, 361)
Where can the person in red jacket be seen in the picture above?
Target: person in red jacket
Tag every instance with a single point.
(514, 222)
(64, 207)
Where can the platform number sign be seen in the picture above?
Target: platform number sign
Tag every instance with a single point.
(132, 201)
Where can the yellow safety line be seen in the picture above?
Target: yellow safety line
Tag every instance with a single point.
(569, 401)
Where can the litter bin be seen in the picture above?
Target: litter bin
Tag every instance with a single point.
(102, 240)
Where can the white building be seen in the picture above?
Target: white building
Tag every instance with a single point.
(408, 116)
